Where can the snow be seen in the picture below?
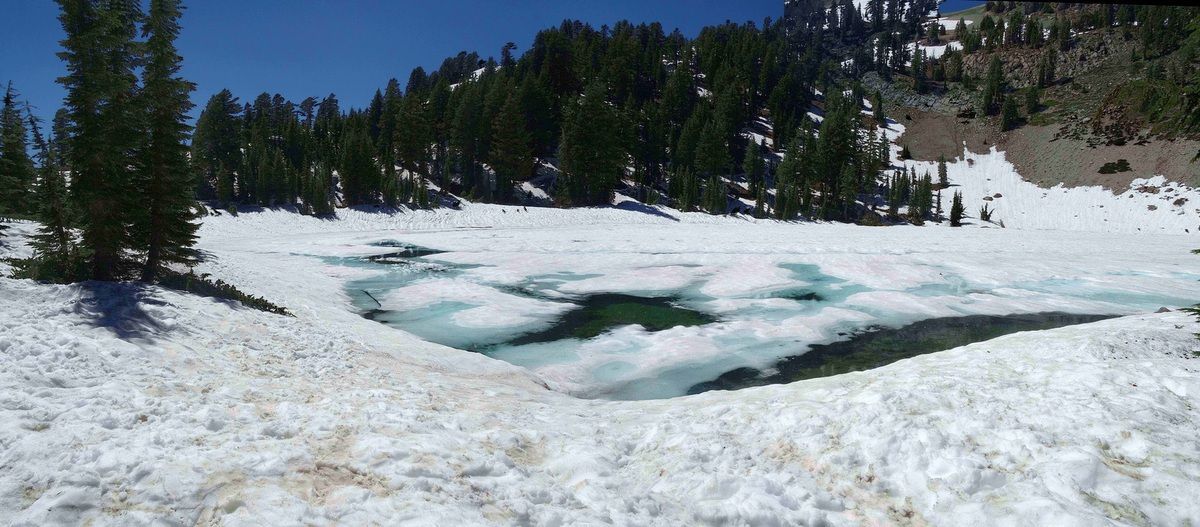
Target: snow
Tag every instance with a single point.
(949, 23)
(534, 190)
(1148, 205)
(474, 76)
(736, 280)
(934, 52)
(125, 405)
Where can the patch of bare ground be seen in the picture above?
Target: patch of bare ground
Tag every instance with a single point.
(1047, 160)
(1075, 135)
(930, 134)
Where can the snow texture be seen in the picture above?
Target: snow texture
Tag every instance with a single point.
(1148, 205)
(130, 405)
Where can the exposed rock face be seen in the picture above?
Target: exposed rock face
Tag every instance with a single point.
(1021, 64)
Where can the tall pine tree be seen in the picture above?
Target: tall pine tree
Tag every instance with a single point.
(16, 169)
(167, 228)
(511, 155)
(100, 55)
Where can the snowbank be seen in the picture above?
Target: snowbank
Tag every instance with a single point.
(123, 406)
(1151, 205)
(224, 415)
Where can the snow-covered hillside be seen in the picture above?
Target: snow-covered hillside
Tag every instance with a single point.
(122, 405)
(1151, 205)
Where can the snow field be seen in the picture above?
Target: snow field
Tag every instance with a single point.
(1149, 205)
(127, 406)
(224, 415)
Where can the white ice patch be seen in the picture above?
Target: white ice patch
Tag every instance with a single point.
(773, 295)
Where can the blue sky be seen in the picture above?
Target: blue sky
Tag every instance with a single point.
(349, 47)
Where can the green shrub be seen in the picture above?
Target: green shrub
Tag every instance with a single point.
(201, 285)
(1120, 165)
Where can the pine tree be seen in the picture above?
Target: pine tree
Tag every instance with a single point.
(991, 87)
(16, 169)
(359, 173)
(848, 190)
(1064, 35)
(467, 137)
(591, 156)
(1008, 114)
(788, 176)
(216, 148)
(877, 108)
(375, 113)
(412, 137)
(894, 198)
(164, 175)
(753, 166)
(715, 195)
(956, 210)
(1032, 100)
(100, 54)
(712, 152)
(918, 71)
(937, 212)
(53, 244)
(390, 119)
(511, 155)
(943, 178)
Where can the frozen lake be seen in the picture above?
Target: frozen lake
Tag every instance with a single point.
(646, 313)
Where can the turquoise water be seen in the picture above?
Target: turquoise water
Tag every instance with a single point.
(641, 344)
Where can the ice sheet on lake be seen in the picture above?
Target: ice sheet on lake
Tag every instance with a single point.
(771, 299)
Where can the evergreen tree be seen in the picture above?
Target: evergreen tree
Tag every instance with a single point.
(715, 196)
(760, 199)
(956, 210)
(1008, 114)
(1032, 99)
(16, 169)
(753, 166)
(412, 137)
(877, 108)
(216, 147)
(467, 141)
(937, 213)
(918, 71)
(164, 179)
(943, 178)
(511, 155)
(390, 120)
(100, 55)
(894, 197)
(712, 153)
(359, 172)
(591, 155)
(991, 87)
(53, 244)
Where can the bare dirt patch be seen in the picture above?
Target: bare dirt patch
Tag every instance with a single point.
(1047, 161)
(930, 134)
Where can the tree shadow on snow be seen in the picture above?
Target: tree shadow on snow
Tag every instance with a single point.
(120, 307)
(634, 206)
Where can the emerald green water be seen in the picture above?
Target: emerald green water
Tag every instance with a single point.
(600, 313)
(881, 346)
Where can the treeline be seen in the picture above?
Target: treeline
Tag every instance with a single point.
(663, 117)
(111, 186)
(611, 104)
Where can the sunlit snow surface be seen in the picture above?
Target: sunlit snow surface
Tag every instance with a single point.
(123, 404)
(489, 287)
